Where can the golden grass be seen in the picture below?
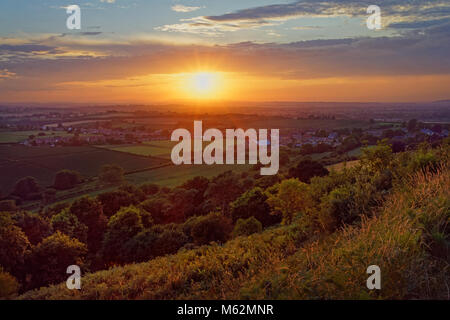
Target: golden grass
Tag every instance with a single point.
(278, 264)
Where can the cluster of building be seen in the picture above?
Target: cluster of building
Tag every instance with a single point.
(95, 136)
(311, 138)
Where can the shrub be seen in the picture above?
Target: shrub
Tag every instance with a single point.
(306, 169)
(69, 224)
(33, 225)
(169, 242)
(9, 286)
(13, 244)
(142, 246)
(48, 261)
(67, 179)
(290, 197)
(26, 187)
(336, 209)
(213, 227)
(114, 200)
(55, 209)
(247, 227)
(158, 208)
(111, 174)
(253, 204)
(89, 212)
(122, 227)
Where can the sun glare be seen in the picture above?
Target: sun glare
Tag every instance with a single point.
(204, 84)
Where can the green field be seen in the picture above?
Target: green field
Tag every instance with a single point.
(160, 149)
(16, 136)
(43, 162)
(19, 136)
(304, 124)
(176, 175)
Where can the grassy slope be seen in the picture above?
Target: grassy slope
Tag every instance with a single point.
(278, 263)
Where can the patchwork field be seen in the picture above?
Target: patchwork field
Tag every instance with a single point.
(160, 149)
(43, 162)
(15, 136)
(176, 175)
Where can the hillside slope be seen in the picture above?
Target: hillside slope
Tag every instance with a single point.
(407, 236)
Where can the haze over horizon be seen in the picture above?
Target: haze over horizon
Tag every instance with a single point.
(152, 52)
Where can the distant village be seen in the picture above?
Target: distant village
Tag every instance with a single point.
(94, 136)
(100, 134)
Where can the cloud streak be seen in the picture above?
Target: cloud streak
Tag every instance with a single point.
(397, 13)
(182, 8)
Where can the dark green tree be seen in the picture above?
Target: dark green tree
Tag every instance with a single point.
(253, 204)
(111, 174)
(89, 212)
(48, 261)
(212, 227)
(33, 225)
(67, 179)
(26, 188)
(306, 169)
(13, 244)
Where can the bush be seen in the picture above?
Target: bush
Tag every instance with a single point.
(158, 208)
(111, 174)
(122, 227)
(67, 179)
(306, 169)
(8, 285)
(247, 227)
(114, 200)
(55, 209)
(290, 198)
(336, 209)
(26, 187)
(13, 244)
(69, 224)
(89, 212)
(253, 204)
(48, 261)
(213, 227)
(169, 242)
(141, 247)
(33, 225)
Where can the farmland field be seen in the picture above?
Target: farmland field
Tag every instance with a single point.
(304, 124)
(43, 162)
(157, 148)
(19, 136)
(16, 136)
(341, 165)
(161, 149)
(176, 175)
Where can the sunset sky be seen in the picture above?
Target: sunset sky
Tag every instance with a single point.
(162, 51)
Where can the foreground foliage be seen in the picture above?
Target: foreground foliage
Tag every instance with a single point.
(406, 235)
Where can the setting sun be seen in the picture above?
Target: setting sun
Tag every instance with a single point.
(204, 85)
(204, 82)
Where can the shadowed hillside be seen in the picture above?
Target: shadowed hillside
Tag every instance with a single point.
(406, 234)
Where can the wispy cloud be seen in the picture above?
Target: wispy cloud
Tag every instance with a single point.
(6, 74)
(183, 8)
(396, 14)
